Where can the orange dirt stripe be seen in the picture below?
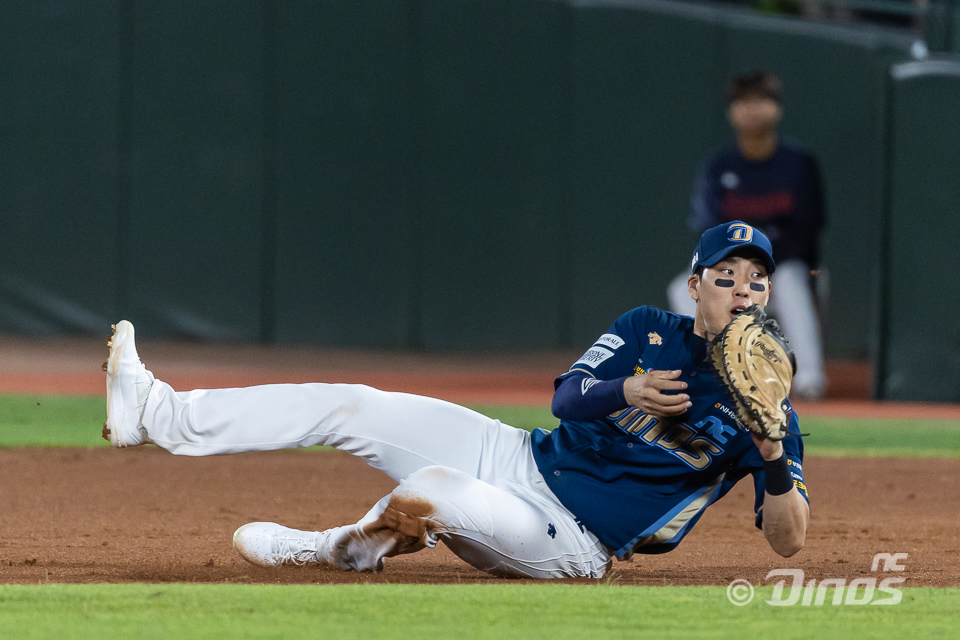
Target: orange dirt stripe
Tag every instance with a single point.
(466, 388)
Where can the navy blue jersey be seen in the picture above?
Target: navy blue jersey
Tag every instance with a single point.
(639, 483)
(782, 196)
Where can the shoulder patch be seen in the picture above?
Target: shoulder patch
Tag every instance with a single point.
(655, 338)
(594, 356)
(610, 340)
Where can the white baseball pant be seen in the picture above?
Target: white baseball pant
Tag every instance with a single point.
(464, 478)
(792, 302)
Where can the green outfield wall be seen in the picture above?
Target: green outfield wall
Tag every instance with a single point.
(920, 337)
(441, 174)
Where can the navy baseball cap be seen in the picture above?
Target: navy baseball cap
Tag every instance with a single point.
(722, 240)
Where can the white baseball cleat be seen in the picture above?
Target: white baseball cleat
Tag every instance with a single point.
(128, 385)
(269, 544)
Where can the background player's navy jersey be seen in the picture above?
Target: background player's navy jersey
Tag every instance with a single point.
(639, 483)
(782, 196)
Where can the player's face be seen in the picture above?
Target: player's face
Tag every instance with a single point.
(755, 115)
(726, 289)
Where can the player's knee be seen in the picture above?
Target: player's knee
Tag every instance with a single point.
(415, 508)
(438, 494)
(430, 482)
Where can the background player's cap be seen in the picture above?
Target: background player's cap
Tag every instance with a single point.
(722, 240)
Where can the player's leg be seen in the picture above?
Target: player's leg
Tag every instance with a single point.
(679, 296)
(793, 303)
(394, 432)
(397, 433)
(474, 504)
(515, 532)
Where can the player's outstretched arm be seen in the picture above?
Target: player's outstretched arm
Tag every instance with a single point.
(658, 393)
(785, 513)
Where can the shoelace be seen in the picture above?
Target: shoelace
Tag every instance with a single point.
(299, 550)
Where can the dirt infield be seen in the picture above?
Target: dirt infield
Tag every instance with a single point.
(142, 515)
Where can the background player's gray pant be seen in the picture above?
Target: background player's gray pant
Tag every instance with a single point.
(792, 302)
(482, 491)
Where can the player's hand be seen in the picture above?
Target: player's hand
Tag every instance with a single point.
(658, 393)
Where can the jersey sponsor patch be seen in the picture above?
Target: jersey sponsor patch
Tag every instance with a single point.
(594, 356)
(797, 476)
(610, 340)
(655, 338)
(733, 416)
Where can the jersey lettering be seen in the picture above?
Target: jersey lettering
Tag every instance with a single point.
(654, 431)
(632, 420)
(679, 439)
(716, 429)
(625, 417)
(697, 452)
(645, 421)
(675, 437)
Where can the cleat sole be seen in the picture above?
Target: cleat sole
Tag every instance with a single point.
(122, 427)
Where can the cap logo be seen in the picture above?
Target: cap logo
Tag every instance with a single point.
(739, 232)
(696, 256)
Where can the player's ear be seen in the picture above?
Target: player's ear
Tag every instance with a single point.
(693, 286)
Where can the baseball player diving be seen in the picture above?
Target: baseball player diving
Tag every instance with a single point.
(650, 435)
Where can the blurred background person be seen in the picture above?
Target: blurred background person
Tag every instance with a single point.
(775, 186)
(819, 10)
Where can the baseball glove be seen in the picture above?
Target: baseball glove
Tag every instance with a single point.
(757, 365)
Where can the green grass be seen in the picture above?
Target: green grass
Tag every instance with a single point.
(857, 437)
(865, 437)
(504, 612)
(67, 421)
(51, 421)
